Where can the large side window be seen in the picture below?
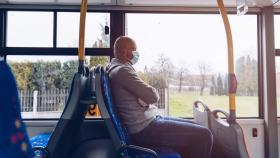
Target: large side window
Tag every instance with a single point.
(185, 57)
(44, 82)
(29, 29)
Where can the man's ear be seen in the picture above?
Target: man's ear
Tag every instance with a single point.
(126, 54)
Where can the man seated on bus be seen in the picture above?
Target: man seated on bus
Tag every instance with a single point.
(134, 100)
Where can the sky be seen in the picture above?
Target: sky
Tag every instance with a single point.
(186, 39)
(36, 29)
(191, 39)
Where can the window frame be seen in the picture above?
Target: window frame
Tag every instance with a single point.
(116, 25)
(54, 50)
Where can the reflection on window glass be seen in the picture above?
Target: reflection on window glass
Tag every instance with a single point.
(29, 29)
(95, 35)
(185, 57)
(277, 31)
(44, 82)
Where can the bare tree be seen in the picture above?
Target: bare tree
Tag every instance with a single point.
(182, 72)
(164, 67)
(203, 71)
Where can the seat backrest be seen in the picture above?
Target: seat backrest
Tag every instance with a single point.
(14, 142)
(108, 109)
(202, 114)
(233, 146)
(64, 138)
(224, 146)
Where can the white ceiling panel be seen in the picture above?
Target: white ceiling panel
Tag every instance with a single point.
(174, 2)
(196, 3)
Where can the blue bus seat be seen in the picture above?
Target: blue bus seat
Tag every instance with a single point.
(117, 132)
(14, 142)
(63, 140)
(52, 142)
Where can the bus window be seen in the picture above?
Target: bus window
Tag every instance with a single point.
(44, 82)
(29, 29)
(185, 57)
(95, 35)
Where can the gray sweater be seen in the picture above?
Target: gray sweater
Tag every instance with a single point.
(127, 90)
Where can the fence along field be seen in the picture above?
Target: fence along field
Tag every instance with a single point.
(43, 104)
(50, 103)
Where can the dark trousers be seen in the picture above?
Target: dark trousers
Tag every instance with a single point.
(183, 136)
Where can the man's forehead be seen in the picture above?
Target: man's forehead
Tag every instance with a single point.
(131, 44)
(134, 45)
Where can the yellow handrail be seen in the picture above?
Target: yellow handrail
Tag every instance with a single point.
(82, 34)
(232, 79)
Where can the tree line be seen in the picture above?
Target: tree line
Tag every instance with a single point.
(164, 73)
(45, 75)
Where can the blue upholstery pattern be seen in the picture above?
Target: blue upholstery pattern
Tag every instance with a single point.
(40, 140)
(39, 144)
(111, 108)
(14, 141)
(121, 131)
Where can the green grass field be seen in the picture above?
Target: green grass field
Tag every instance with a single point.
(180, 104)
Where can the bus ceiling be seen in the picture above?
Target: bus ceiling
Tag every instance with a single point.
(186, 3)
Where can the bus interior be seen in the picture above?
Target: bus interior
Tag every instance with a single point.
(196, 53)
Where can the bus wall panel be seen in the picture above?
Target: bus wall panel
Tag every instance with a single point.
(255, 145)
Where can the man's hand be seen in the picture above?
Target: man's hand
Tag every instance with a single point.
(142, 103)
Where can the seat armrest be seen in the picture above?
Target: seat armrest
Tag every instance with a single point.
(137, 149)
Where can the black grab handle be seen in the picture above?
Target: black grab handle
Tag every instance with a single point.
(215, 113)
(198, 102)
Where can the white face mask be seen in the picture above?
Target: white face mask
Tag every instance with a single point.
(135, 57)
